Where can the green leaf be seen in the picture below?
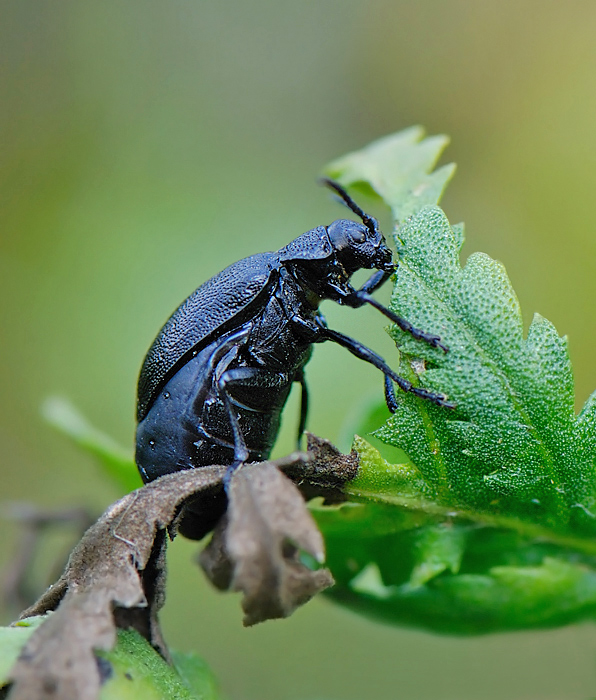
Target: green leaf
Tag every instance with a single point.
(12, 640)
(493, 503)
(138, 671)
(552, 593)
(196, 675)
(403, 558)
(513, 444)
(397, 168)
(115, 462)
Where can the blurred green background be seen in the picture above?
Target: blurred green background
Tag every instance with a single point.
(146, 145)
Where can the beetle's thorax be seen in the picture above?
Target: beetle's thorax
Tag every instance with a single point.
(312, 298)
(320, 279)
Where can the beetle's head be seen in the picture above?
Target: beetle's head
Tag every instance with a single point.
(358, 245)
(326, 257)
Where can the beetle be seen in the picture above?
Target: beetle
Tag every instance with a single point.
(215, 380)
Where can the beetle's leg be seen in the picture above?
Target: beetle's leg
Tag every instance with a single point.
(368, 355)
(240, 449)
(374, 282)
(307, 328)
(359, 297)
(390, 397)
(227, 378)
(303, 408)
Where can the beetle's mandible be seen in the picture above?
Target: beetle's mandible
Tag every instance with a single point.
(215, 381)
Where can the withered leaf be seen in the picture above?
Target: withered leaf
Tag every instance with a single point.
(324, 473)
(256, 549)
(115, 575)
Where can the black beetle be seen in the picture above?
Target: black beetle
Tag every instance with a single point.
(215, 381)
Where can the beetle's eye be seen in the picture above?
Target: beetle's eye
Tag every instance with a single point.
(357, 236)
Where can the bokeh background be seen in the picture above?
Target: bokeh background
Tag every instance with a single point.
(146, 145)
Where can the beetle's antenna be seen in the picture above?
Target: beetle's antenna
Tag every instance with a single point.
(369, 221)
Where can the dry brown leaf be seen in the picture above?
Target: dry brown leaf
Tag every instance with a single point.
(256, 549)
(115, 576)
(325, 472)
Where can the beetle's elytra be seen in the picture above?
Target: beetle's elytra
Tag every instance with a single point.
(215, 381)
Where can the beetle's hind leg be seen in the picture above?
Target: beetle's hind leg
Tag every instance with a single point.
(244, 375)
(240, 450)
(303, 409)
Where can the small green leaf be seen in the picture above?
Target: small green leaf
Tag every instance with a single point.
(196, 675)
(397, 168)
(138, 671)
(12, 640)
(116, 462)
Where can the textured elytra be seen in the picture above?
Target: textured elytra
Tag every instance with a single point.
(206, 311)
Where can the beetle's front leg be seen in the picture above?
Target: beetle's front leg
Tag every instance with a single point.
(358, 297)
(355, 298)
(375, 281)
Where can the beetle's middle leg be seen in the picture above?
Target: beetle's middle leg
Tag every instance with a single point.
(364, 353)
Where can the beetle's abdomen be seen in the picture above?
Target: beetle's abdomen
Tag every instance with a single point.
(188, 425)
